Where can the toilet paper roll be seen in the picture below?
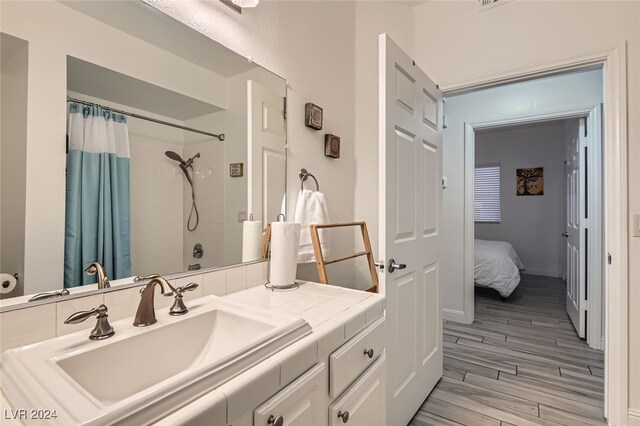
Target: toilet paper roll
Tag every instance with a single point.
(7, 283)
(251, 240)
(285, 241)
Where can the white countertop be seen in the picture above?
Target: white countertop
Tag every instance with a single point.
(336, 314)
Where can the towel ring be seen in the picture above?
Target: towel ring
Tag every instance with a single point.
(304, 175)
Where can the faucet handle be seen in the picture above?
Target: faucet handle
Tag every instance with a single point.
(188, 287)
(179, 308)
(178, 291)
(102, 330)
(139, 278)
(49, 295)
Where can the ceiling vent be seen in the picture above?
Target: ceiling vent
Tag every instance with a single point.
(489, 4)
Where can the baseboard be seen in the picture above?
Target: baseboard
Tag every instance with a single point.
(542, 273)
(455, 316)
(633, 418)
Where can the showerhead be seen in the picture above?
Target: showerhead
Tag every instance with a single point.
(174, 156)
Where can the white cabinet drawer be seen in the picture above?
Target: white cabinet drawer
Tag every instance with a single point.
(302, 403)
(353, 357)
(365, 402)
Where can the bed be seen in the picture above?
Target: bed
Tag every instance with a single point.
(497, 266)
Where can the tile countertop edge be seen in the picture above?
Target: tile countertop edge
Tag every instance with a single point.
(329, 332)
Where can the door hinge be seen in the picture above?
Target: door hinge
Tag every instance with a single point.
(609, 258)
(444, 122)
(284, 112)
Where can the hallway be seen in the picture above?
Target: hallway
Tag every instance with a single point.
(519, 363)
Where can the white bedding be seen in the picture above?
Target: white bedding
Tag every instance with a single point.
(496, 265)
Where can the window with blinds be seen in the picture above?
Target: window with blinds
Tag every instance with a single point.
(487, 194)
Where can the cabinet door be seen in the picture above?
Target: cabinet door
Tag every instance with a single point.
(364, 403)
(299, 404)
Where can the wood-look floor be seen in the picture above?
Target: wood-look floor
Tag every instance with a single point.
(520, 363)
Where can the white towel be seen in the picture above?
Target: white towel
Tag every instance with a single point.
(311, 209)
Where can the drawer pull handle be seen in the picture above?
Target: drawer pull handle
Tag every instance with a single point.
(369, 353)
(276, 421)
(344, 415)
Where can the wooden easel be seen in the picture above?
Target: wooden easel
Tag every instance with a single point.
(321, 262)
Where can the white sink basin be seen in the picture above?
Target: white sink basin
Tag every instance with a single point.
(143, 374)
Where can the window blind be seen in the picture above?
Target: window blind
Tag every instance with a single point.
(487, 194)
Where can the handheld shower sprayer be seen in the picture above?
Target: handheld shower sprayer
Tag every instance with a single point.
(185, 166)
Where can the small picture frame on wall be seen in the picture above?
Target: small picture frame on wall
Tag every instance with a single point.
(331, 146)
(236, 169)
(313, 116)
(530, 181)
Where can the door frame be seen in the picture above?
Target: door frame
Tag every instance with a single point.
(593, 256)
(615, 208)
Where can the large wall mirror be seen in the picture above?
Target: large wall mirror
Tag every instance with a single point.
(129, 139)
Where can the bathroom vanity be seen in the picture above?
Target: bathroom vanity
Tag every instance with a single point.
(236, 364)
(333, 376)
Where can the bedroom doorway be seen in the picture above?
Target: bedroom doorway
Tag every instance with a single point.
(532, 104)
(458, 224)
(538, 212)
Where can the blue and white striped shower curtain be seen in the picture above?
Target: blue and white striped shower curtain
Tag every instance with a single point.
(97, 217)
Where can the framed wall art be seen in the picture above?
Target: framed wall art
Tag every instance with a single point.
(331, 146)
(313, 116)
(530, 181)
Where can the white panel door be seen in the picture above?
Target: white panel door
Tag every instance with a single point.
(266, 147)
(410, 208)
(575, 232)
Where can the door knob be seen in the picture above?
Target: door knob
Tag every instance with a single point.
(369, 353)
(565, 234)
(393, 265)
(275, 421)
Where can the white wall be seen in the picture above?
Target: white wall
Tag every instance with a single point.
(13, 156)
(456, 44)
(336, 69)
(532, 224)
(543, 96)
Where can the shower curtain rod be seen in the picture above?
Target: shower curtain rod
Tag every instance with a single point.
(220, 137)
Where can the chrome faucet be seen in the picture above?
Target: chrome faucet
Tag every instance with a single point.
(146, 314)
(103, 280)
